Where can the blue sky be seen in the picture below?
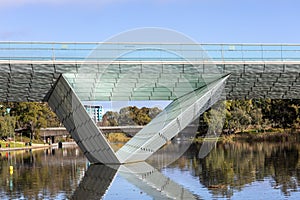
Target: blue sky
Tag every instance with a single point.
(206, 21)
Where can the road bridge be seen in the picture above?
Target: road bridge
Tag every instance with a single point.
(62, 131)
(193, 76)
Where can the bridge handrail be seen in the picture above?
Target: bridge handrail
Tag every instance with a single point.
(64, 51)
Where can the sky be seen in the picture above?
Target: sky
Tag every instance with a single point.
(206, 21)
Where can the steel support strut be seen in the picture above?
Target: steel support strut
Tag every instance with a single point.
(67, 106)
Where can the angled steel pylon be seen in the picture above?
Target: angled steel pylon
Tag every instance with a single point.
(79, 124)
(174, 118)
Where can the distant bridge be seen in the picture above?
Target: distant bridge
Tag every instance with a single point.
(61, 131)
(128, 130)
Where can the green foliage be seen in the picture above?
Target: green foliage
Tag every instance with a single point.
(28, 116)
(110, 118)
(284, 113)
(239, 115)
(256, 114)
(7, 125)
(130, 115)
(215, 117)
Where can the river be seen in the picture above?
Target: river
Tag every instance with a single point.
(236, 170)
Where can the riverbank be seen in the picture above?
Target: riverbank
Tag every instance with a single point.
(33, 146)
(38, 146)
(264, 137)
(275, 135)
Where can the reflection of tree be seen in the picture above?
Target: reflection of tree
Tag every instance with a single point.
(285, 168)
(230, 166)
(40, 173)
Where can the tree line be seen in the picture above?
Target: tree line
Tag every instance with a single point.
(130, 115)
(240, 115)
(262, 114)
(234, 116)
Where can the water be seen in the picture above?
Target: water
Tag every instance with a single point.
(230, 171)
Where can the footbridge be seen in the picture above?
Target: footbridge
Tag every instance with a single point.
(62, 131)
(193, 76)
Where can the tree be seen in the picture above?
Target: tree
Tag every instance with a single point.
(32, 116)
(239, 117)
(142, 116)
(7, 126)
(283, 113)
(110, 118)
(215, 117)
(130, 115)
(153, 112)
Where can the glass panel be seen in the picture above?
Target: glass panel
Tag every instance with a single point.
(271, 52)
(291, 52)
(232, 52)
(151, 52)
(252, 52)
(212, 51)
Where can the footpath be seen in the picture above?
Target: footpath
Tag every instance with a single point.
(37, 146)
(33, 146)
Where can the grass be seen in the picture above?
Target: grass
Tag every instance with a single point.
(18, 143)
(11, 144)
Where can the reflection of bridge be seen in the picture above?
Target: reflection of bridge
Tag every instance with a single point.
(141, 174)
(193, 76)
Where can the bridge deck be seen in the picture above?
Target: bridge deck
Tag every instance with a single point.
(140, 71)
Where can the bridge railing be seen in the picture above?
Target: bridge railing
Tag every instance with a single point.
(48, 51)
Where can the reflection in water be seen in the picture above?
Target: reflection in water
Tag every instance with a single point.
(232, 167)
(96, 181)
(231, 170)
(98, 178)
(154, 183)
(40, 174)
